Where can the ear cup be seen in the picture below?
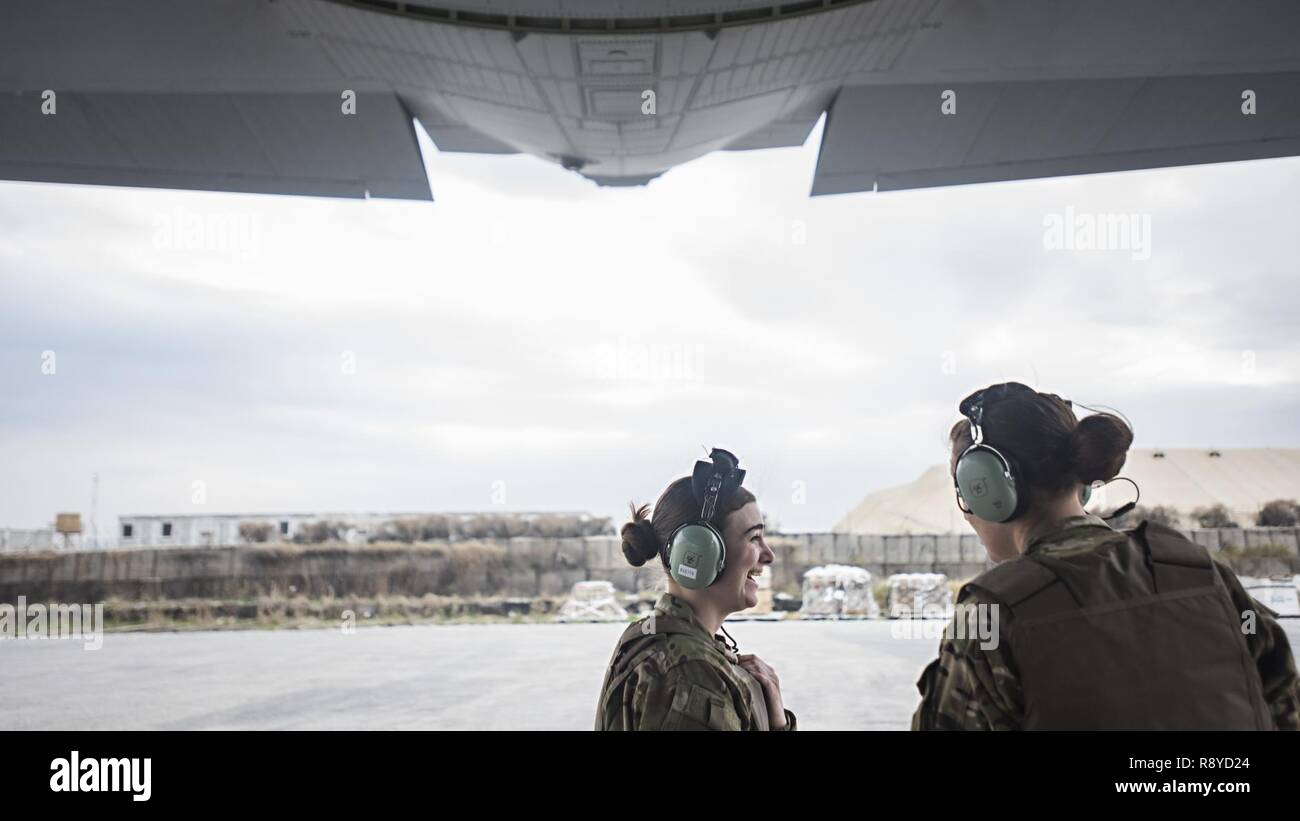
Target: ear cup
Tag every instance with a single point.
(987, 482)
(696, 555)
(1085, 495)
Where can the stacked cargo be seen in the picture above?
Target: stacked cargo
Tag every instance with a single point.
(919, 596)
(836, 591)
(592, 601)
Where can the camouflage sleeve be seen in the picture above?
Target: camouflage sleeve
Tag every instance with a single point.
(691, 695)
(972, 685)
(1271, 650)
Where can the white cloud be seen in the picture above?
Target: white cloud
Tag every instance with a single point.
(583, 343)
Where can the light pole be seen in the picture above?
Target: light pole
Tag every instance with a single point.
(94, 503)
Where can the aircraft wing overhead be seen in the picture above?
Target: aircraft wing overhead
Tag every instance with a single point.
(897, 137)
(244, 95)
(269, 143)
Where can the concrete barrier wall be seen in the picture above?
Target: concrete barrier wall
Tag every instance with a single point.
(507, 567)
(957, 556)
(1240, 538)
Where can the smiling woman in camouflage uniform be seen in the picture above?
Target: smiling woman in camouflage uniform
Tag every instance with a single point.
(1096, 628)
(670, 671)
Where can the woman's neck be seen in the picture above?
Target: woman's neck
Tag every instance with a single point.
(707, 613)
(1043, 519)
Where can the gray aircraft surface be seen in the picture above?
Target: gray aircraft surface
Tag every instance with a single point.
(319, 97)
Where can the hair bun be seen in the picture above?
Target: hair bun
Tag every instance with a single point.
(1100, 445)
(640, 543)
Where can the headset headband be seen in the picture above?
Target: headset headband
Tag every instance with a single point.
(972, 407)
(715, 481)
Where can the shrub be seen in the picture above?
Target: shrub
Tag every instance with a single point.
(1160, 514)
(1213, 516)
(398, 530)
(1279, 513)
(255, 531)
(319, 532)
(490, 526)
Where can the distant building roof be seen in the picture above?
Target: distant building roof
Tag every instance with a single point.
(1241, 479)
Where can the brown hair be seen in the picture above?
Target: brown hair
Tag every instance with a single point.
(644, 537)
(1054, 449)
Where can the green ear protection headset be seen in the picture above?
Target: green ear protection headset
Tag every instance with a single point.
(697, 553)
(989, 482)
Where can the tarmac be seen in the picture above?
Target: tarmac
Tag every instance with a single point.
(856, 675)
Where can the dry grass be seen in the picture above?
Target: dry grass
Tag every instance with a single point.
(265, 612)
(1260, 560)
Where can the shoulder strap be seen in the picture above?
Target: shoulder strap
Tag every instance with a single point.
(1176, 562)
(1168, 546)
(1014, 581)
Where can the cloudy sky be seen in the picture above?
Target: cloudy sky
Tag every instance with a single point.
(532, 342)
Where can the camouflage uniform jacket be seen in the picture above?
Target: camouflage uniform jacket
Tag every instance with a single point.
(969, 687)
(668, 673)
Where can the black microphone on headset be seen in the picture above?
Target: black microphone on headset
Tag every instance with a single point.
(1128, 506)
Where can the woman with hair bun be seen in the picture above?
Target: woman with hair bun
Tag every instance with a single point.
(670, 671)
(1079, 626)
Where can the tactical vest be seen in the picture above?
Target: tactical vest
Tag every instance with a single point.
(637, 638)
(1139, 633)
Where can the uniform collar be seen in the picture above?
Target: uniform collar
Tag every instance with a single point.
(678, 608)
(1053, 534)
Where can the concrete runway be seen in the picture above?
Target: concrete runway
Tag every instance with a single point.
(835, 675)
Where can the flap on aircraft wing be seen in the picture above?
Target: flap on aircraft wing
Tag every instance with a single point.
(898, 137)
(275, 143)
